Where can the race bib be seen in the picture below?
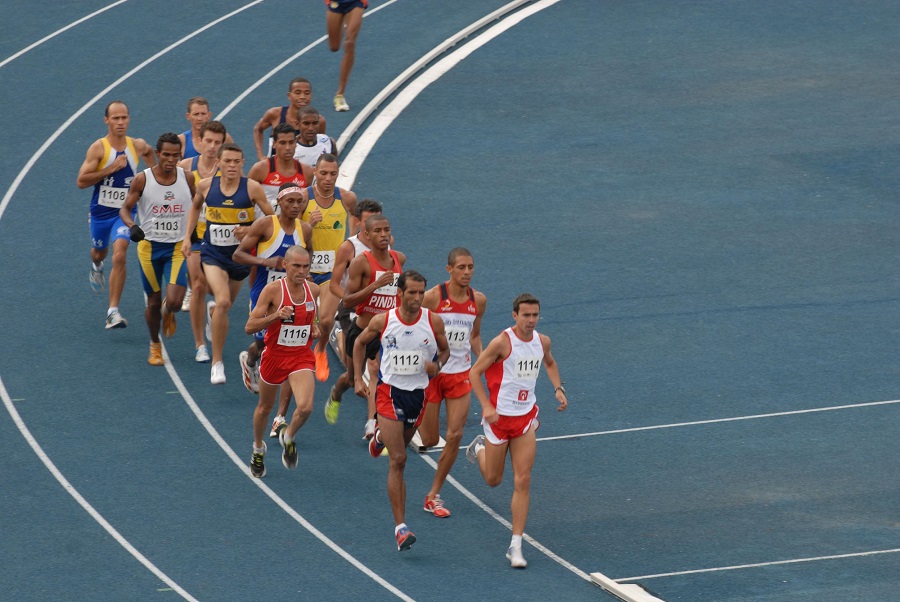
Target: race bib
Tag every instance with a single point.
(457, 337)
(170, 227)
(389, 290)
(293, 336)
(321, 262)
(406, 362)
(111, 196)
(275, 275)
(222, 235)
(527, 367)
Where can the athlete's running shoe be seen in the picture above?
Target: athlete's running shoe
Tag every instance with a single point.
(279, 420)
(155, 358)
(473, 448)
(201, 355)
(375, 444)
(186, 304)
(405, 539)
(436, 506)
(340, 103)
(258, 464)
(168, 321)
(115, 320)
(514, 555)
(217, 373)
(322, 369)
(370, 429)
(95, 278)
(210, 306)
(249, 374)
(289, 453)
(332, 408)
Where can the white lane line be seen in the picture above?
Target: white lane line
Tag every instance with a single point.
(6, 400)
(244, 467)
(79, 499)
(367, 140)
(761, 564)
(47, 143)
(636, 429)
(287, 62)
(59, 31)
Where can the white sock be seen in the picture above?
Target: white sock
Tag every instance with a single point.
(398, 527)
(259, 450)
(111, 310)
(516, 541)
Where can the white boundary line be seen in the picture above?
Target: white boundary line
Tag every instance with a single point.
(7, 402)
(59, 31)
(762, 564)
(719, 420)
(51, 467)
(287, 62)
(201, 417)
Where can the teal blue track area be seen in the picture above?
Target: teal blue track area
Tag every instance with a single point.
(702, 194)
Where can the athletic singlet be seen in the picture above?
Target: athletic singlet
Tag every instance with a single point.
(284, 338)
(189, 151)
(511, 381)
(110, 192)
(309, 154)
(358, 247)
(201, 221)
(384, 298)
(458, 318)
(223, 213)
(163, 209)
(274, 246)
(404, 350)
(329, 233)
(273, 181)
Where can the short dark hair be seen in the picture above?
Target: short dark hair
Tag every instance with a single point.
(378, 217)
(307, 110)
(457, 253)
(216, 127)
(410, 275)
(298, 80)
(326, 157)
(283, 128)
(114, 102)
(197, 100)
(170, 137)
(367, 206)
(526, 298)
(230, 146)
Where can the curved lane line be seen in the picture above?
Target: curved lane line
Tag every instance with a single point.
(59, 31)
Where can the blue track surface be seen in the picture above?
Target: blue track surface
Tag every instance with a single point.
(703, 195)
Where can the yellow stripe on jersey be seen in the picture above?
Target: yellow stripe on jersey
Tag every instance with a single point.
(263, 246)
(230, 215)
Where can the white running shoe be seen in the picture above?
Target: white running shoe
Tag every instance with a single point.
(370, 429)
(279, 420)
(340, 103)
(251, 380)
(202, 355)
(115, 320)
(210, 306)
(474, 447)
(217, 374)
(186, 304)
(516, 560)
(95, 278)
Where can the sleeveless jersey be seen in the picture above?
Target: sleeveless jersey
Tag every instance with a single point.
(458, 318)
(201, 221)
(384, 298)
(273, 181)
(404, 350)
(329, 233)
(189, 150)
(224, 213)
(286, 338)
(163, 209)
(275, 246)
(511, 381)
(110, 192)
(358, 247)
(309, 154)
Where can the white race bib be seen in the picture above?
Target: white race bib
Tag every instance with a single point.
(169, 227)
(406, 362)
(388, 289)
(293, 336)
(528, 367)
(321, 262)
(457, 337)
(111, 196)
(222, 235)
(275, 275)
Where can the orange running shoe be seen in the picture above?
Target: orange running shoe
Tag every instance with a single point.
(322, 369)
